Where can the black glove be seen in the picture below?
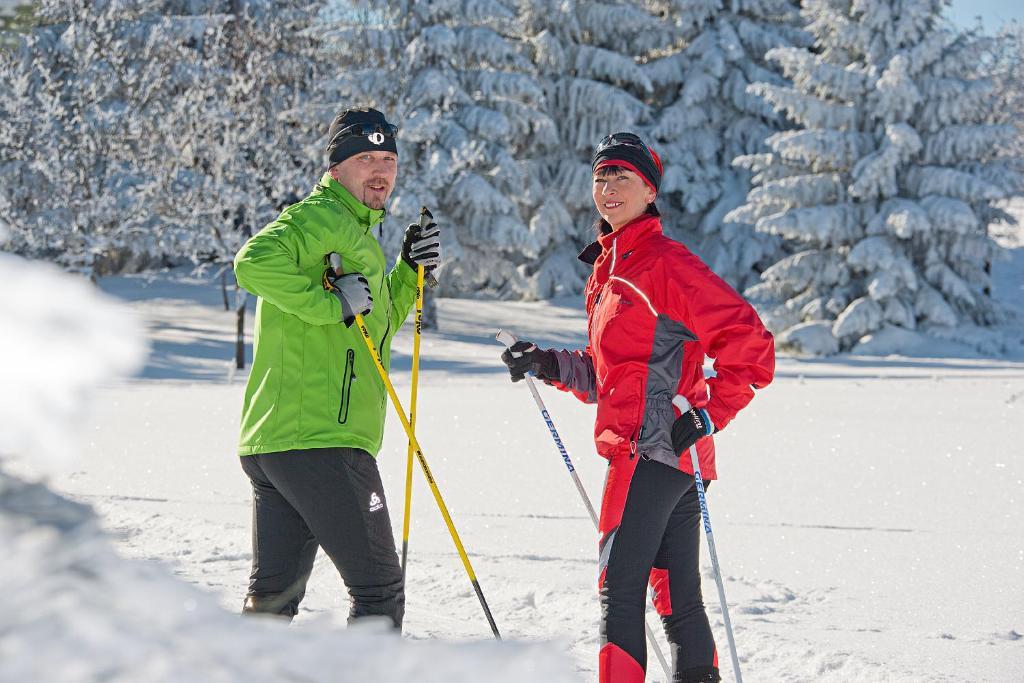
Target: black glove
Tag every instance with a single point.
(353, 291)
(689, 428)
(524, 356)
(422, 246)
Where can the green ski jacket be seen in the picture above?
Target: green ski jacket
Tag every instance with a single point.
(313, 382)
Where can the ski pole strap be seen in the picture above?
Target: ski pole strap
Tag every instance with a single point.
(709, 426)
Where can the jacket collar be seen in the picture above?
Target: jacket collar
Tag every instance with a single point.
(366, 216)
(625, 238)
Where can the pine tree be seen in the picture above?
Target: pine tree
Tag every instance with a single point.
(471, 114)
(248, 135)
(1006, 66)
(166, 128)
(706, 118)
(251, 138)
(82, 95)
(15, 19)
(588, 58)
(455, 78)
(886, 190)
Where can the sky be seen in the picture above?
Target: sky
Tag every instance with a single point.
(993, 13)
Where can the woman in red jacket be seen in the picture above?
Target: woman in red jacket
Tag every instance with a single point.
(654, 311)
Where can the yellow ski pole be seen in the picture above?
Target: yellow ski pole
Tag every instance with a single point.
(425, 218)
(426, 472)
(412, 411)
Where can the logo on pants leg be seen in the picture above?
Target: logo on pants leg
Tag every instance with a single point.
(375, 502)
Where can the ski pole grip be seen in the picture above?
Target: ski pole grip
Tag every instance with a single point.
(508, 339)
(680, 402)
(425, 218)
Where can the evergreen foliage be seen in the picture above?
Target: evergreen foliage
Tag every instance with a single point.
(1006, 65)
(78, 141)
(14, 20)
(879, 142)
(154, 127)
(455, 77)
(472, 111)
(588, 59)
(250, 139)
(706, 118)
(886, 191)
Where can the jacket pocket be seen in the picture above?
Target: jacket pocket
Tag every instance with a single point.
(346, 385)
(655, 429)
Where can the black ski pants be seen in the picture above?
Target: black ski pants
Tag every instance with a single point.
(656, 541)
(330, 498)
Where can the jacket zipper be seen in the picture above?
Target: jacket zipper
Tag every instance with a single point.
(638, 432)
(387, 328)
(380, 348)
(346, 385)
(634, 440)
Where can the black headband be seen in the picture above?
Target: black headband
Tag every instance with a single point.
(346, 146)
(354, 131)
(630, 149)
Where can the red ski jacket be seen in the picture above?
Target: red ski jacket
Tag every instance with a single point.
(654, 311)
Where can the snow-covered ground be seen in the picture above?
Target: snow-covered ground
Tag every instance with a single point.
(869, 519)
(74, 610)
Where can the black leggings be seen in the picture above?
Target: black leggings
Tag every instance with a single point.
(324, 497)
(658, 540)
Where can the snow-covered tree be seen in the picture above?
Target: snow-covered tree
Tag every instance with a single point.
(1005, 65)
(455, 77)
(886, 190)
(471, 113)
(15, 19)
(1006, 68)
(162, 127)
(158, 128)
(588, 58)
(247, 138)
(706, 118)
(81, 96)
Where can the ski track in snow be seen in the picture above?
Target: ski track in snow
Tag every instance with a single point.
(843, 507)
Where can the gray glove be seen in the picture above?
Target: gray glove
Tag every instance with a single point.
(353, 291)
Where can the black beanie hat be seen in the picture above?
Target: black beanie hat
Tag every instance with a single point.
(359, 130)
(629, 151)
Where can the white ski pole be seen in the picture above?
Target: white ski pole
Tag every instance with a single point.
(508, 339)
(683, 405)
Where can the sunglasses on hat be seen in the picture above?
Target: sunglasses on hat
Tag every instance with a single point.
(621, 139)
(628, 140)
(375, 131)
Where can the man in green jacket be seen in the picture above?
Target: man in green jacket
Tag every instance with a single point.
(313, 417)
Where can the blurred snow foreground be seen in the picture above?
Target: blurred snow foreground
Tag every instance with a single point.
(73, 610)
(60, 339)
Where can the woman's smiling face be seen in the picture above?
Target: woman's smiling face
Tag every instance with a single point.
(620, 195)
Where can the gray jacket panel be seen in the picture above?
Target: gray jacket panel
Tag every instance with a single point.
(663, 373)
(576, 372)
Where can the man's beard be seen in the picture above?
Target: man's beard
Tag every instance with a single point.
(375, 204)
(370, 197)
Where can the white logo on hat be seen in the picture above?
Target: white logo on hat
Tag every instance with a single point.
(376, 138)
